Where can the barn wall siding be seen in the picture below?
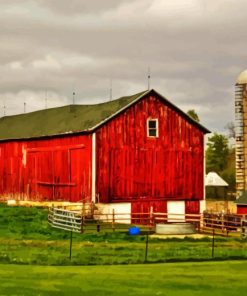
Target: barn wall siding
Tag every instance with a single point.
(131, 165)
(49, 169)
(192, 207)
(142, 211)
(242, 210)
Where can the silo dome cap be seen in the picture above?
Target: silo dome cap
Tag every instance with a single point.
(242, 78)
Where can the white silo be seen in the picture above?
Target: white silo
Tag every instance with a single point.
(241, 132)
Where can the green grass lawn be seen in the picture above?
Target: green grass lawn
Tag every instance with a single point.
(182, 279)
(27, 238)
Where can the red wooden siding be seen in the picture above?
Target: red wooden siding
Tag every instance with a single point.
(141, 211)
(131, 165)
(50, 169)
(242, 210)
(192, 207)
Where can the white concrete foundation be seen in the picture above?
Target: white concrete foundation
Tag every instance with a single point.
(175, 228)
(120, 212)
(176, 211)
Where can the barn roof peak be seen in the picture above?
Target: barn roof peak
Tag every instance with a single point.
(71, 118)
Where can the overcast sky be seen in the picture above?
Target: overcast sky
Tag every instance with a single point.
(194, 48)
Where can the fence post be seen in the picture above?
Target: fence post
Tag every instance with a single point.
(223, 223)
(70, 246)
(98, 227)
(113, 220)
(151, 221)
(213, 245)
(82, 218)
(146, 250)
(200, 222)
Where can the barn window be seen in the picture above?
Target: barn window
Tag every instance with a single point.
(152, 128)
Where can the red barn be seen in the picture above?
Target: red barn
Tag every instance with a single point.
(242, 204)
(133, 153)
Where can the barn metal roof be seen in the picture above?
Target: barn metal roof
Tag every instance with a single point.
(71, 119)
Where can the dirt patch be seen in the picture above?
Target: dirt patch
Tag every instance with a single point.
(182, 236)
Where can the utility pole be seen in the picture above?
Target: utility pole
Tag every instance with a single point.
(110, 89)
(149, 78)
(73, 98)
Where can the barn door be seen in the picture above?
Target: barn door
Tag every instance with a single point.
(58, 174)
(43, 177)
(61, 174)
(80, 175)
(131, 173)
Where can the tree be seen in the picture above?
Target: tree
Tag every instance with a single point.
(230, 127)
(192, 113)
(217, 153)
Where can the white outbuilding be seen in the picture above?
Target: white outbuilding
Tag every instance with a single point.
(213, 179)
(216, 187)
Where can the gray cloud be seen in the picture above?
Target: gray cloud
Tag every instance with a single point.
(75, 7)
(195, 49)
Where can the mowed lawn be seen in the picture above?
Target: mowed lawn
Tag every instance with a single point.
(208, 278)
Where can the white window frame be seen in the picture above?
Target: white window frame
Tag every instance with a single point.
(157, 127)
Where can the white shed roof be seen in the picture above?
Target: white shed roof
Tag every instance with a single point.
(213, 179)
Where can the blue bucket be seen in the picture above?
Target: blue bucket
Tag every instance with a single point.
(134, 230)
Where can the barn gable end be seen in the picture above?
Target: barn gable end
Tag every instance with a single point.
(132, 166)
